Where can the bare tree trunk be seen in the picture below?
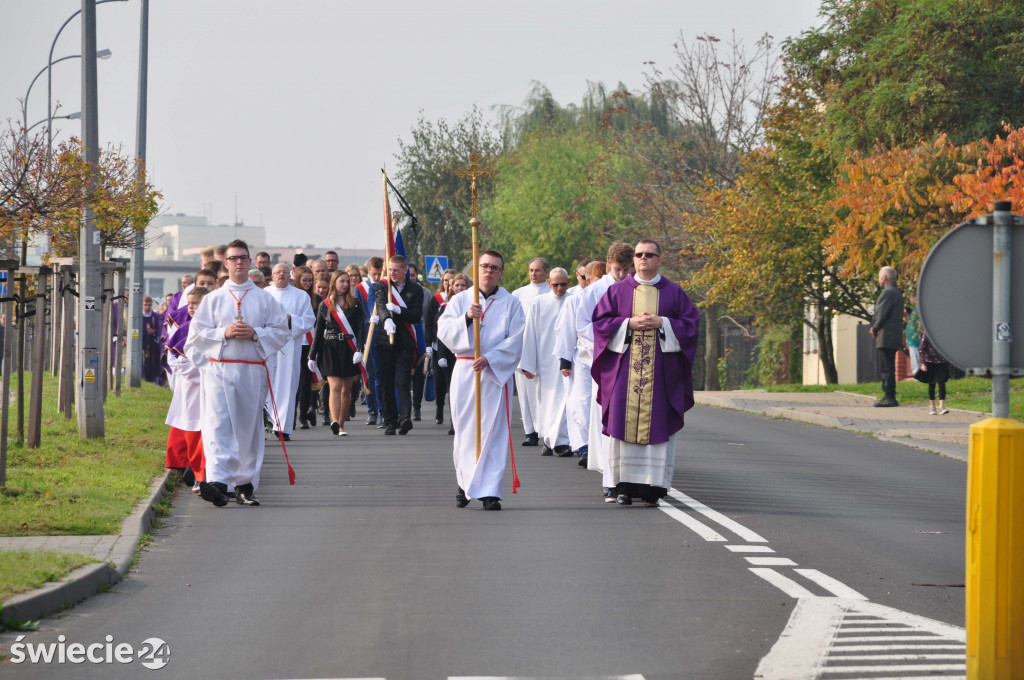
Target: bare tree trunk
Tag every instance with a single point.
(35, 415)
(712, 347)
(826, 349)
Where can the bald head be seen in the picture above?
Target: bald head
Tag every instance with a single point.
(282, 275)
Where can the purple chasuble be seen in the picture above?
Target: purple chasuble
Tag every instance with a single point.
(644, 392)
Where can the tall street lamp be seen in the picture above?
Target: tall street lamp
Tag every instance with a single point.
(101, 54)
(71, 116)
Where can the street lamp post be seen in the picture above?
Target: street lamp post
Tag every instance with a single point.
(134, 368)
(102, 54)
(71, 116)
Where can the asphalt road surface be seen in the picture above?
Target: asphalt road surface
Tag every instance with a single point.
(787, 551)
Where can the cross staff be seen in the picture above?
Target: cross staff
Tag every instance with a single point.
(474, 171)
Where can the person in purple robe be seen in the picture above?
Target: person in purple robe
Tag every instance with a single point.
(152, 327)
(645, 338)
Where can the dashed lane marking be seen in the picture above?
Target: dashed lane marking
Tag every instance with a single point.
(717, 517)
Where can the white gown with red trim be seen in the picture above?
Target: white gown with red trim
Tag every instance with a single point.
(501, 341)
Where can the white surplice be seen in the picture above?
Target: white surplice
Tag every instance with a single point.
(501, 342)
(529, 397)
(598, 442)
(284, 374)
(540, 360)
(233, 394)
(578, 392)
(184, 412)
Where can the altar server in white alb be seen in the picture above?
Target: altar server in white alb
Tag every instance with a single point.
(619, 266)
(502, 323)
(285, 373)
(233, 333)
(540, 365)
(529, 397)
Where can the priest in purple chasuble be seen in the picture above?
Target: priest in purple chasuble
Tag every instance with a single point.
(645, 338)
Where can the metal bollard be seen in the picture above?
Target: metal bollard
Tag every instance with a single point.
(995, 551)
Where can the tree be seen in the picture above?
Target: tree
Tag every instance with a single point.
(441, 200)
(900, 72)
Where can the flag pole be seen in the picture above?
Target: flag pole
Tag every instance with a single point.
(474, 223)
(387, 245)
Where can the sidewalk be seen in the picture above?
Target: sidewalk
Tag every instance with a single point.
(114, 552)
(946, 435)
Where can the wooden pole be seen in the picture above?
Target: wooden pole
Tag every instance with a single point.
(475, 224)
(35, 411)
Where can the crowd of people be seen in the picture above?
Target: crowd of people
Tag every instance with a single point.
(602, 368)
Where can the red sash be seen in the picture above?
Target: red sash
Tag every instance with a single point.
(343, 323)
(440, 298)
(364, 291)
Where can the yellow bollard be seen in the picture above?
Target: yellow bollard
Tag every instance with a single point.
(995, 551)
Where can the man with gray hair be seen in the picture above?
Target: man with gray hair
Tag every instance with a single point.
(887, 329)
(529, 395)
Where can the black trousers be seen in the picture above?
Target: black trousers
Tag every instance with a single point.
(395, 365)
(419, 381)
(887, 366)
(305, 386)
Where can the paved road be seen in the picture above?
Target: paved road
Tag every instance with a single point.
(365, 569)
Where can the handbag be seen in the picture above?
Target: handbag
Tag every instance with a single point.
(428, 387)
(921, 375)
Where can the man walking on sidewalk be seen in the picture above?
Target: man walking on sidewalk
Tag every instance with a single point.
(887, 329)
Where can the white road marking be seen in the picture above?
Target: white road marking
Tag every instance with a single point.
(839, 642)
(771, 561)
(830, 584)
(715, 516)
(635, 676)
(699, 528)
(872, 648)
(749, 549)
(783, 583)
(903, 667)
(899, 657)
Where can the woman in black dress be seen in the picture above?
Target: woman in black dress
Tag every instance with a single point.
(303, 280)
(336, 348)
(443, 357)
(435, 306)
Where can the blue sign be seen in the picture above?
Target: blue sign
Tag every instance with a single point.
(436, 264)
(3, 284)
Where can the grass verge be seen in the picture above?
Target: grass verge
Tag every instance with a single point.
(21, 571)
(970, 393)
(80, 487)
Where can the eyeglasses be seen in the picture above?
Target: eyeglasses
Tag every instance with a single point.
(331, 261)
(236, 258)
(564, 283)
(645, 255)
(490, 267)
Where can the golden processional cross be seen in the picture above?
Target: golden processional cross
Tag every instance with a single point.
(474, 172)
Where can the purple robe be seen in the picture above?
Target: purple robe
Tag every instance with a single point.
(152, 327)
(644, 392)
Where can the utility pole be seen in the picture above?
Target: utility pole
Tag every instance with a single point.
(138, 255)
(90, 326)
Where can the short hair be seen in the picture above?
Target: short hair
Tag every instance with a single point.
(299, 259)
(650, 242)
(495, 253)
(891, 275)
(206, 272)
(621, 254)
(237, 243)
(257, 274)
(399, 259)
(330, 252)
(375, 262)
(596, 269)
(266, 271)
(584, 262)
(146, 298)
(543, 261)
(208, 251)
(219, 251)
(558, 270)
(198, 291)
(263, 253)
(189, 277)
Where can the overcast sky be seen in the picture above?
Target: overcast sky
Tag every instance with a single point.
(291, 107)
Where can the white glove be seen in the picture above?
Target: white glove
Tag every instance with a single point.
(430, 352)
(311, 365)
(393, 308)
(443, 363)
(374, 319)
(389, 326)
(357, 358)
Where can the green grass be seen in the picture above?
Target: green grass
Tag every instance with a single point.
(21, 571)
(970, 393)
(74, 486)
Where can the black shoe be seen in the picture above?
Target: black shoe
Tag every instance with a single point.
(188, 477)
(390, 430)
(243, 495)
(609, 494)
(546, 451)
(287, 437)
(311, 417)
(439, 415)
(303, 425)
(451, 430)
(352, 411)
(381, 424)
(405, 426)
(335, 426)
(460, 499)
(491, 503)
(532, 439)
(582, 461)
(563, 451)
(371, 419)
(416, 414)
(887, 402)
(653, 503)
(623, 499)
(214, 492)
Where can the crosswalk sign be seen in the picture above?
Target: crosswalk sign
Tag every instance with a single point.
(436, 264)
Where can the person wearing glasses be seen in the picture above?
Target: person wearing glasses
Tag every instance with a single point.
(233, 333)
(502, 322)
(331, 259)
(285, 372)
(645, 338)
(540, 365)
(529, 398)
(581, 278)
(399, 314)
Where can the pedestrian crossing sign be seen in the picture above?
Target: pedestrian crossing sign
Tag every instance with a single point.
(436, 264)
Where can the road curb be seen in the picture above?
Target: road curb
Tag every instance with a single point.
(91, 578)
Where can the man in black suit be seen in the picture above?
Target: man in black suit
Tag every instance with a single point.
(399, 315)
(887, 329)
